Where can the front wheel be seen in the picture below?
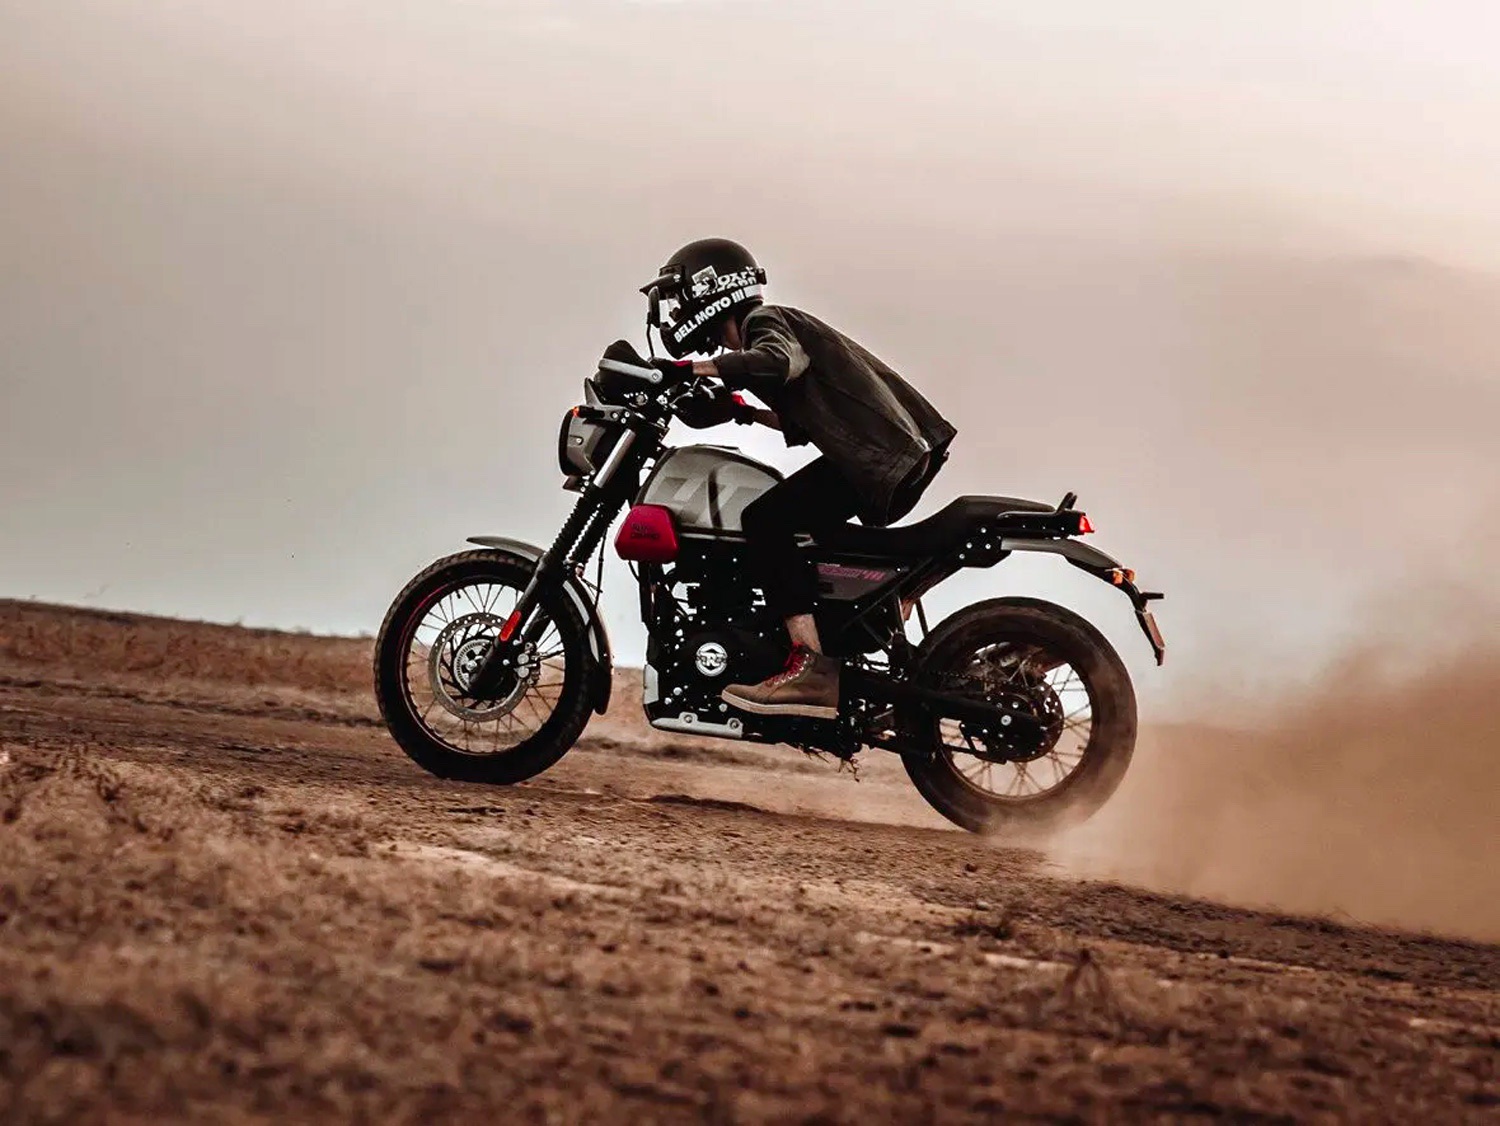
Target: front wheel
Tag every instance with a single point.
(1047, 663)
(435, 636)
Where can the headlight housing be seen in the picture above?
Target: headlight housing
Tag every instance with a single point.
(584, 442)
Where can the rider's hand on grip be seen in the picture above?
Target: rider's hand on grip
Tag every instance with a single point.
(674, 371)
(708, 404)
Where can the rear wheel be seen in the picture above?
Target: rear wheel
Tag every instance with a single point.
(433, 639)
(1050, 666)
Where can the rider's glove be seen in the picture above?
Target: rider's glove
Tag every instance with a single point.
(673, 371)
(711, 404)
(743, 413)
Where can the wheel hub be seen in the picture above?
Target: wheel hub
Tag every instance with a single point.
(458, 652)
(467, 659)
(1008, 741)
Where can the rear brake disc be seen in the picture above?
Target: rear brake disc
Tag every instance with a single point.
(1002, 742)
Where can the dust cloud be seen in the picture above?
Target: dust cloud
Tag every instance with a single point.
(1370, 795)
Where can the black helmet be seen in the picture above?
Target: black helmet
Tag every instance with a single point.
(701, 287)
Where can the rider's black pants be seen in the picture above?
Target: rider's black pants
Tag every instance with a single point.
(815, 497)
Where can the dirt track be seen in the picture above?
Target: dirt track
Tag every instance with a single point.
(226, 896)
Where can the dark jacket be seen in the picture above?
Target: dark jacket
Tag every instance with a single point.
(883, 436)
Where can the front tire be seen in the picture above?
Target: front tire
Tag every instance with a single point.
(1045, 658)
(432, 636)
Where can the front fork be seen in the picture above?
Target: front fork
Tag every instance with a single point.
(597, 507)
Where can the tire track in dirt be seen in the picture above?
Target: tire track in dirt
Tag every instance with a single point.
(211, 913)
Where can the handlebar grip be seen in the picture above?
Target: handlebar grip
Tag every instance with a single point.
(635, 371)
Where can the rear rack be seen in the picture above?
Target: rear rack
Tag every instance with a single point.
(984, 545)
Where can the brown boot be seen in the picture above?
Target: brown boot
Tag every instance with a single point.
(808, 686)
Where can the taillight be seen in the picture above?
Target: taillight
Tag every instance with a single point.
(649, 535)
(1085, 525)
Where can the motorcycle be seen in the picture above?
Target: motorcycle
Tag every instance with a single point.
(1012, 714)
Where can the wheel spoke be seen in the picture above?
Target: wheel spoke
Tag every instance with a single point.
(1018, 783)
(1028, 679)
(447, 645)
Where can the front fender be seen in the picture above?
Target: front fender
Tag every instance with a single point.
(602, 673)
(1088, 558)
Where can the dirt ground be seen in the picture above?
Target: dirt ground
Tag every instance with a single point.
(226, 896)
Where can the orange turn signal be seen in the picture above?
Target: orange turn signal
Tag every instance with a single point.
(1121, 575)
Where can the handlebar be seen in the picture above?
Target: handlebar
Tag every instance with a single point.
(635, 371)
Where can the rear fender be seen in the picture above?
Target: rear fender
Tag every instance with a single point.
(602, 673)
(1106, 568)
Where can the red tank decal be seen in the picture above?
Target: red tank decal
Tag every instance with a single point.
(649, 535)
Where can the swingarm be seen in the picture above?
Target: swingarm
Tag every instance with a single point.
(1017, 723)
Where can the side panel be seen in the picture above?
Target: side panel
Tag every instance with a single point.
(598, 638)
(847, 582)
(706, 487)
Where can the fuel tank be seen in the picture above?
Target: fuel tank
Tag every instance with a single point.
(706, 487)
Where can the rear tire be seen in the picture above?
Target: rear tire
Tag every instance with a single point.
(515, 763)
(1106, 753)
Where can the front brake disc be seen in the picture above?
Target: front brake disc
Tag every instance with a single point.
(455, 657)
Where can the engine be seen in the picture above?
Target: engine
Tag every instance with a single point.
(698, 646)
(708, 624)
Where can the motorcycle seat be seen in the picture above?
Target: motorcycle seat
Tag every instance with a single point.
(941, 532)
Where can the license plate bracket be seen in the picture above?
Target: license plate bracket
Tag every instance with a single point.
(1153, 634)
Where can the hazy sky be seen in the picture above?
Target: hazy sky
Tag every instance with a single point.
(293, 293)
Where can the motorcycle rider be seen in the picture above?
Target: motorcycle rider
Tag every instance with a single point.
(880, 441)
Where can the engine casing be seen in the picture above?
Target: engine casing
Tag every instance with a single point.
(684, 676)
